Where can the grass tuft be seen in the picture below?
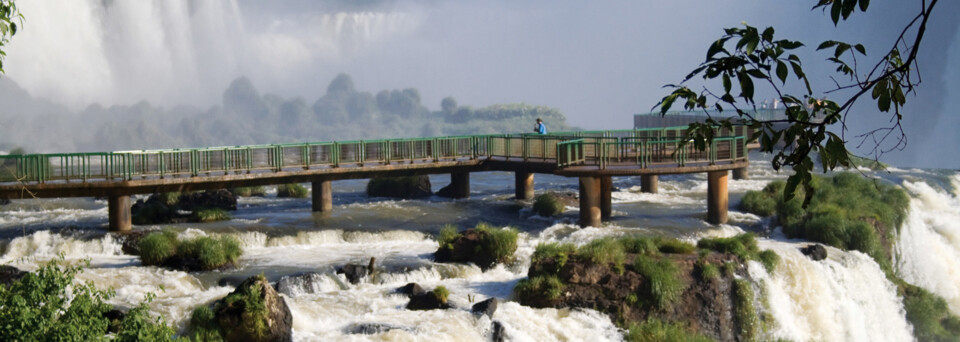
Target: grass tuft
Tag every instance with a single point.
(501, 243)
(604, 251)
(291, 190)
(442, 293)
(211, 253)
(663, 285)
(543, 286)
(548, 205)
(157, 247)
(654, 330)
(743, 310)
(209, 215)
(249, 191)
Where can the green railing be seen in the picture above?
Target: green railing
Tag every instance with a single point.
(641, 147)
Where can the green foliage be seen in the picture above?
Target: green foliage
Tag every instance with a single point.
(546, 286)
(501, 243)
(157, 247)
(203, 325)
(674, 246)
(254, 309)
(604, 251)
(548, 205)
(291, 191)
(929, 315)
(557, 252)
(729, 268)
(743, 245)
(758, 203)
(170, 198)
(663, 284)
(211, 253)
(442, 293)
(9, 17)
(446, 236)
(707, 270)
(654, 330)
(743, 310)
(209, 215)
(769, 259)
(655, 245)
(249, 191)
(49, 305)
(743, 55)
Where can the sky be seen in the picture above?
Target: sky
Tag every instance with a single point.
(598, 62)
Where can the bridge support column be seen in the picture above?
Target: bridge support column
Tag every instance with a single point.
(322, 196)
(606, 200)
(648, 183)
(460, 184)
(119, 213)
(717, 197)
(740, 173)
(524, 185)
(590, 201)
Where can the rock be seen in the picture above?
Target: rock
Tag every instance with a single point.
(308, 282)
(400, 187)
(4, 201)
(497, 332)
(374, 328)
(487, 307)
(10, 274)
(426, 301)
(130, 241)
(216, 199)
(816, 252)
(411, 289)
(114, 317)
(472, 245)
(154, 210)
(238, 323)
(353, 272)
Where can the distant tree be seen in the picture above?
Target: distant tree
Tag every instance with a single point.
(448, 105)
(756, 55)
(340, 88)
(9, 16)
(294, 115)
(242, 98)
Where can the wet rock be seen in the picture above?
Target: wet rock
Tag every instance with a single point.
(411, 289)
(446, 191)
(237, 322)
(497, 332)
(487, 307)
(426, 301)
(216, 199)
(374, 328)
(400, 187)
(130, 241)
(171, 207)
(4, 201)
(353, 272)
(10, 274)
(815, 252)
(114, 317)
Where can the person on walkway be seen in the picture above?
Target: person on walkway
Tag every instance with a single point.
(540, 128)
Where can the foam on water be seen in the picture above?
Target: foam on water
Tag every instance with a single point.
(52, 216)
(928, 246)
(44, 245)
(845, 297)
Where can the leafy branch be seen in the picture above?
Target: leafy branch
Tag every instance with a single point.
(9, 16)
(743, 56)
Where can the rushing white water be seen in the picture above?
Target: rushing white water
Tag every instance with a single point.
(928, 249)
(845, 297)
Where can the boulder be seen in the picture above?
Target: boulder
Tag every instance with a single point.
(130, 241)
(816, 252)
(446, 191)
(215, 199)
(10, 274)
(426, 301)
(497, 332)
(410, 290)
(353, 272)
(487, 307)
(238, 322)
(154, 210)
(400, 187)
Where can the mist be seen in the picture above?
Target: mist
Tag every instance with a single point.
(596, 63)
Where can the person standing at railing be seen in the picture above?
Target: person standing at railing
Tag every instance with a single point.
(540, 128)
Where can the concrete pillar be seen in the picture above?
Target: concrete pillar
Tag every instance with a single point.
(460, 183)
(717, 197)
(590, 201)
(322, 196)
(648, 183)
(606, 188)
(119, 213)
(524, 185)
(740, 173)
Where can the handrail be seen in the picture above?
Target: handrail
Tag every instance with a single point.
(639, 147)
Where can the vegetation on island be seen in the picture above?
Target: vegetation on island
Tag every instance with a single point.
(254, 311)
(201, 253)
(292, 190)
(249, 191)
(50, 305)
(852, 212)
(483, 245)
(548, 205)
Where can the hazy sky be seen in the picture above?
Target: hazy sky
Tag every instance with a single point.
(598, 62)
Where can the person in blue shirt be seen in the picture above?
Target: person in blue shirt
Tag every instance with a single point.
(540, 128)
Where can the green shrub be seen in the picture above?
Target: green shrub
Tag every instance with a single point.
(639, 245)
(48, 305)
(442, 293)
(560, 253)
(249, 191)
(674, 246)
(654, 330)
(663, 285)
(446, 236)
(759, 203)
(743, 245)
(170, 198)
(769, 259)
(212, 253)
(546, 286)
(744, 312)
(729, 268)
(253, 305)
(203, 325)
(548, 205)
(209, 215)
(291, 190)
(157, 247)
(707, 270)
(604, 251)
(929, 315)
(501, 243)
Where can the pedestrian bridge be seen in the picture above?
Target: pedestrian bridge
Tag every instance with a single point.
(592, 156)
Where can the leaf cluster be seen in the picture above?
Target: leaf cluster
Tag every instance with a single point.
(9, 17)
